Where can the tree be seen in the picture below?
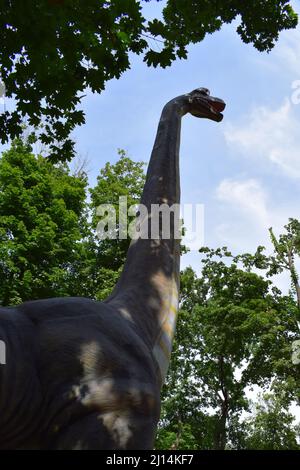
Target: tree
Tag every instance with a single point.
(125, 179)
(272, 425)
(286, 249)
(99, 268)
(285, 257)
(76, 45)
(234, 330)
(48, 241)
(191, 432)
(42, 220)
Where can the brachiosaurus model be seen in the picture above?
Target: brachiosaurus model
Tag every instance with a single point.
(82, 374)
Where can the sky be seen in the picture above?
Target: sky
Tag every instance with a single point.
(244, 170)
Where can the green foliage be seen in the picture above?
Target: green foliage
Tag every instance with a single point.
(99, 268)
(272, 425)
(75, 45)
(47, 246)
(285, 258)
(191, 431)
(286, 251)
(42, 211)
(125, 179)
(234, 331)
(186, 22)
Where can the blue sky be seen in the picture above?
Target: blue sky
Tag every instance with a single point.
(245, 170)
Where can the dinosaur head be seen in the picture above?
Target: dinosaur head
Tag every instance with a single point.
(202, 105)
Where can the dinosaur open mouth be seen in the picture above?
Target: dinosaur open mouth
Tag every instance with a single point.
(208, 107)
(216, 107)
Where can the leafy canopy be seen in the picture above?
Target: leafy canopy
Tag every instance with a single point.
(104, 261)
(52, 50)
(48, 243)
(271, 426)
(42, 220)
(234, 331)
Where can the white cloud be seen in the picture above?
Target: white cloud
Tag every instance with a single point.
(284, 57)
(246, 212)
(287, 51)
(271, 135)
(245, 215)
(246, 196)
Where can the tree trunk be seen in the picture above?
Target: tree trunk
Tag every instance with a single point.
(221, 431)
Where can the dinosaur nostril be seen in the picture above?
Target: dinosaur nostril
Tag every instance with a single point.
(204, 91)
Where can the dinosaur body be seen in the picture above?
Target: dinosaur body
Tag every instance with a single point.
(81, 374)
(73, 363)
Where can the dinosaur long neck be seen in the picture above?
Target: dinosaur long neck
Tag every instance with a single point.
(147, 292)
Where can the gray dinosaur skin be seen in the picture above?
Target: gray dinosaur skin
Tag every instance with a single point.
(77, 376)
(80, 374)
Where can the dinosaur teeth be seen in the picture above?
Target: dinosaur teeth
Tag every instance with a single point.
(212, 109)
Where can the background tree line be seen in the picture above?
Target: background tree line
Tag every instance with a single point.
(235, 328)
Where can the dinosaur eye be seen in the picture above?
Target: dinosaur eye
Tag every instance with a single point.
(205, 91)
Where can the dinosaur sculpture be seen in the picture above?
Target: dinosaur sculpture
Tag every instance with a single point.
(81, 374)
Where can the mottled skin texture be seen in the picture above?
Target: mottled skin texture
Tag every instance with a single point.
(81, 374)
